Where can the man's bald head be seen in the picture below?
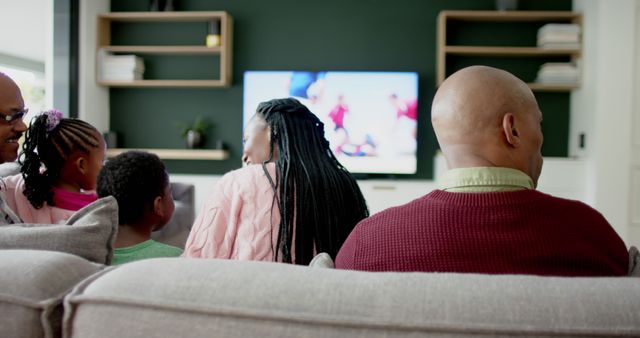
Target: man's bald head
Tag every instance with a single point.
(485, 116)
(11, 102)
(7, 86)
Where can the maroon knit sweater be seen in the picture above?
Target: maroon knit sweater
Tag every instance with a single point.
(517, 232)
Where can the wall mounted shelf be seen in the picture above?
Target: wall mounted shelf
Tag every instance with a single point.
(444, 49)
(223, 51)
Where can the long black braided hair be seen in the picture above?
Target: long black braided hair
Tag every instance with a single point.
(317, 197)
(49, 141)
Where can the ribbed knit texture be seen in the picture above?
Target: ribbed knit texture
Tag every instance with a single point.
(518, 232)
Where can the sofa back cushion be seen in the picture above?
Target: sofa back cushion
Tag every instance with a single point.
(89, 233)
(634, 262)
(177, 297)
(323, 261)
(176, 231)
(32, 286)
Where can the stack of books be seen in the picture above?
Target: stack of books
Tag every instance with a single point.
(558, 73)
(121, 67)
(559, 36)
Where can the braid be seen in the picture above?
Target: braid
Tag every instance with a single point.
(50, 149)
(317, 196)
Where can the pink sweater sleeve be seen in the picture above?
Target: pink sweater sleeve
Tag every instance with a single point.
(19, 203)
(236, 221)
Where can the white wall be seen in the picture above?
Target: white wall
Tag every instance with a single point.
(603, 106)
(93, 100)
(602, 109)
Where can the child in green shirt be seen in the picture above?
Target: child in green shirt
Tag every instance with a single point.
(140, 183)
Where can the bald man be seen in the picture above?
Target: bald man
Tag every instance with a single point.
(12, 127)
(487, 217)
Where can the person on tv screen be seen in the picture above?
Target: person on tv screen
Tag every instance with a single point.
(292, 200)
(307, 85)
(487, 216)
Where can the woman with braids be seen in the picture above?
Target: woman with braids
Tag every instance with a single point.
(61, 158)
(292, 200)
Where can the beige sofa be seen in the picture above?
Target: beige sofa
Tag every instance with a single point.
(177, 297)
(53, 282)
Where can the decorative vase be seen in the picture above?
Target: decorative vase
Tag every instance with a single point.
(194, 139)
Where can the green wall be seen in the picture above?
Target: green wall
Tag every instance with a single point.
(374, 35)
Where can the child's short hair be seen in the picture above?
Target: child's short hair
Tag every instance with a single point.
(49, 141)
(135, 179)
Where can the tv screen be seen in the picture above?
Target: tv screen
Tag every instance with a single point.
(370, 118)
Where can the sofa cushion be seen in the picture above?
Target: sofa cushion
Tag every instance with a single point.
(32, 286)
(634, 262)
(178, 297)
(89, 233)
(322, 260)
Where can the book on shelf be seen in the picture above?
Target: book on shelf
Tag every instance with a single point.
(558, 73)
(120, 67)
(559, 36)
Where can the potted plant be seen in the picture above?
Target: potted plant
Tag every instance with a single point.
(194, 133)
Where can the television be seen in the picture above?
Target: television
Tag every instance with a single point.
(370, 118)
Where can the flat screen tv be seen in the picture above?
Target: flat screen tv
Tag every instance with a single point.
(370, 118)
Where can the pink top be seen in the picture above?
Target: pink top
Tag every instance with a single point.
(410, 111)
(239, 219)
(337, 114)
(66, 202)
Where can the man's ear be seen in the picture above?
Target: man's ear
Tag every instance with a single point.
(509, 129)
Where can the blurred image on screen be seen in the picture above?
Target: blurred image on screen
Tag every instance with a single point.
(370, 118)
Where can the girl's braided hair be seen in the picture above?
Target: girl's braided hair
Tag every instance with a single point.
(318, 198)
(49, 141)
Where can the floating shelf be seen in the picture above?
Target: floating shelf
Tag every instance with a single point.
(545, 54)
(163, 49)
(548, 87)
(507, 51)
(162, 16)
(178, 154)
(164, 83)
(222, 53)
(521, 16)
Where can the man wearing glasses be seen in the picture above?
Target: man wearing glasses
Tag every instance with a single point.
(12, 127)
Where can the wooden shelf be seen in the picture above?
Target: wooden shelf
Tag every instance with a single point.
(444, 49)
(222, 52)
(523, 16)
(178, 154)
(548, 87)
(163, 49)
(509, 51)
(165, 83)
(162, 16)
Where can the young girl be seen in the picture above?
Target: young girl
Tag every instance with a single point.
(61, 158)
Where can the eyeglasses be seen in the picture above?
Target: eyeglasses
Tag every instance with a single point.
(15, 117)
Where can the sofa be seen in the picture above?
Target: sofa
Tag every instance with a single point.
(55, 281)
(56, 294)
